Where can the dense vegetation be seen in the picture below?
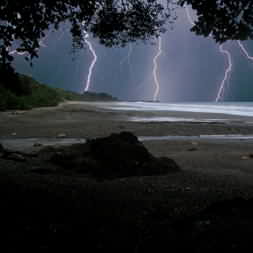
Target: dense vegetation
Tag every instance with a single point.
(26, 93)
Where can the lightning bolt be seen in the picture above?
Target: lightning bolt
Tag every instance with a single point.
(244, 50)
(221, 90)
(129, 53)
(155, 70)
(188, 15)
(127, 59)
(223, 51)
(41, 43)
(16, 52)
(93, 63)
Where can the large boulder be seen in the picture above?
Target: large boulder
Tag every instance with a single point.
(119, 155)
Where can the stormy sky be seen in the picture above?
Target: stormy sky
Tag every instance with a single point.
(191, 68)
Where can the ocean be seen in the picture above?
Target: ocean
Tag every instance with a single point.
(229, 108)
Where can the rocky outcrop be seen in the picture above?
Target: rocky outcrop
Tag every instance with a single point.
(119, 155)
(11, 155)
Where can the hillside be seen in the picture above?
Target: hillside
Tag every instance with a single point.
(22, 92)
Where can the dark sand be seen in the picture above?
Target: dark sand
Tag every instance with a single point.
(118, 215)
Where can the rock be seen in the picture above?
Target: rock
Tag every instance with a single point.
(17, 112)
(42, 171)
(61, 135)
(119, 155)
(187, 189)
(2, 150)
(192, 149)
(15, 157)
(36, 144)
(245, 157)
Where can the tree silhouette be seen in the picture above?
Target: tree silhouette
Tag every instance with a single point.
(114, 22)
(224, 19)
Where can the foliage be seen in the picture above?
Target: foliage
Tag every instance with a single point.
(87, 96)
(24, 23)
(223, 19)
(39, 95)
(26, 93)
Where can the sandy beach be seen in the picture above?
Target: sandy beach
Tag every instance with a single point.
(90, 120)
(212, 169)
(194, 145)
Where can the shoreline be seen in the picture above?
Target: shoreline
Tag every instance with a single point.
(191, 144)
(89, 120)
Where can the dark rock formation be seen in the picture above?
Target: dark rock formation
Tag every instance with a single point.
(14, 157)
(119, 155)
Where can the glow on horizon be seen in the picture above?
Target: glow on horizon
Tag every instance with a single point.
(93, 63)
(155, 70)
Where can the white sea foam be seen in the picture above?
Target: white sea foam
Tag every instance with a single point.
(175, 119)
(240, 109)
